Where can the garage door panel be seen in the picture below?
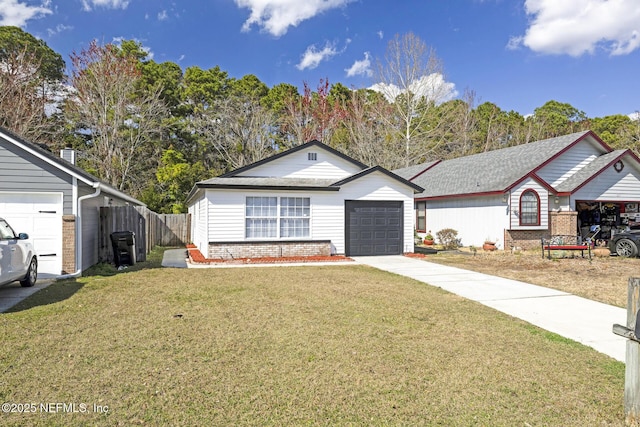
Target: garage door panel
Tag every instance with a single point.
(374, 227)
(40, 216)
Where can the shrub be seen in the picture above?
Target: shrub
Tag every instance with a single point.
(448, 238)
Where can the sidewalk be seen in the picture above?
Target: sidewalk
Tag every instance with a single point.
(580, 319)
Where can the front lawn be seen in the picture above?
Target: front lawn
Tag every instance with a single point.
(312, 345)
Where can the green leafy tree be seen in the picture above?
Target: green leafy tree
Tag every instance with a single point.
(556, 118)
(248, 86)
(614, 130)
(175, 178)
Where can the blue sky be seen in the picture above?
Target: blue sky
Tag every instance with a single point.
(517, 54)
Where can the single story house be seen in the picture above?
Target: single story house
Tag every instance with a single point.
(309, 200)
(55, 202)
(518, 195)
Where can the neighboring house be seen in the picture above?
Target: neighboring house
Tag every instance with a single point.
(55, 202)
(309, 200)
(516, 195)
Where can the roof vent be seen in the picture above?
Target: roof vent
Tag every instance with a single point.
(68, 154)
(312, 156)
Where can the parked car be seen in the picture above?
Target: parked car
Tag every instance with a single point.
(625, 244)
(18, 260)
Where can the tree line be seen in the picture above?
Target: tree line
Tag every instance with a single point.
(153, 129)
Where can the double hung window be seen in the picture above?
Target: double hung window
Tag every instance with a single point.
(272, 217)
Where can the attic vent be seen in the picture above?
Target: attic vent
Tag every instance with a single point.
(312, 156)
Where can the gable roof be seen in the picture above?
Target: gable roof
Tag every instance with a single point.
(64, 166)
(412, 172)
(277, 183)
(593, 169)
(496, 171)
(231, 180)
(314, 143)
(390, 174)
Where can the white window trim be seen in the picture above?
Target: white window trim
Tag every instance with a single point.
(278, 219)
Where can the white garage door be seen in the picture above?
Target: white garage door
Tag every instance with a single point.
(39, 215)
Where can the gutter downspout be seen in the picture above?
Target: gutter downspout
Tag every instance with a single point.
(78, 272)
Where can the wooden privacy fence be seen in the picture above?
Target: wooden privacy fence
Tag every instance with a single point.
(151, 229)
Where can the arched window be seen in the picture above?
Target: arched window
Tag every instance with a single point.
(529, 208)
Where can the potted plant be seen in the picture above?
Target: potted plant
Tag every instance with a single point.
(428, 239)
(489, 244)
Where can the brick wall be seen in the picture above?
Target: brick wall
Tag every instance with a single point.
(229, 250)
(524, 239)
(560, 223)
(563, 223)
(68, 244)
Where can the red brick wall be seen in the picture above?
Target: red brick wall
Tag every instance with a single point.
(223, 250)
(560, 223)
(68, 244)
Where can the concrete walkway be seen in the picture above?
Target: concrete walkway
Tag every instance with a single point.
(176, 258)
(580, 319)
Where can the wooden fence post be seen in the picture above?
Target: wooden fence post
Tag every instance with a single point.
(632, 369)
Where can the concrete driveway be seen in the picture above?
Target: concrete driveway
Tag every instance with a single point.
(13, 293)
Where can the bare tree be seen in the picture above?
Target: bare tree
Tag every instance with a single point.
(368, 135)
(411, 77)
(238, 131)
(121, 124)
(25, 94)
(314, 115)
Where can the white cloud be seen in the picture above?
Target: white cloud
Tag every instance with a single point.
(276, 16)
(432, 87)
(361, 67)
(58, 29)
(15, 13)
(380, 34)
(312, 57)
(576, 27)
(635, 116)
(88, 5)
(163, 16)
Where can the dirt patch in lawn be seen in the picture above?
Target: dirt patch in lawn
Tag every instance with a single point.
(601, 279)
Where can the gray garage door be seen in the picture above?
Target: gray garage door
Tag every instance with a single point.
(373, 228)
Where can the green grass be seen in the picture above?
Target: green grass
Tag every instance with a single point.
(335, 345)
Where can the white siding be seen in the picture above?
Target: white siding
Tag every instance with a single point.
(226, 209)
(297, 165)
(474, 218)
(568, 163)
(514, 203)
(611, 186)
(198, 211)
(329, 208)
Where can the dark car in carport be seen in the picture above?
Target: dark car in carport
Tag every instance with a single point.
(625, 244)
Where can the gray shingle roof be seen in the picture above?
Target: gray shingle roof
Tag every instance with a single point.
(243, 182)
(63, 164)
(411, 171)
(491, 171)
(588, 171)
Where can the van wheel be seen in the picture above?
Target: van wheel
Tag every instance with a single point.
(32, 274)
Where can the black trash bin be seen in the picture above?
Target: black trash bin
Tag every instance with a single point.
(124, 247)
